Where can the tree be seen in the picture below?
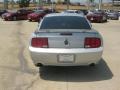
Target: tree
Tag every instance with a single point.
(24, 3)
(116, 2)
(6, 4)
(59, 1)
(12, 3)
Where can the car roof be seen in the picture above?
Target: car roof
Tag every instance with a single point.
(71, 10)
(38, 10)
(63, 14)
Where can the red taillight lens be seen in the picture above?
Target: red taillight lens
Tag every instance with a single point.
(92, 42)
(40, 42)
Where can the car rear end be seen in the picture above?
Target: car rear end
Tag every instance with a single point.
(94, 18)
(97, 16)
(7, 16)
(113, 16)
(66, 44)
(32, 17)
(36, 16)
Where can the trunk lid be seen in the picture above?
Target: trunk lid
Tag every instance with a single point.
(65, 38)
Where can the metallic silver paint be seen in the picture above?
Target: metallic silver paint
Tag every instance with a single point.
(66, 45)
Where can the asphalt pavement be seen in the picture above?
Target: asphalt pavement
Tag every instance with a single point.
(17, 71)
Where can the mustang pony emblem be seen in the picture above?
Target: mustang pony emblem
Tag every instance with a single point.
(66, 42)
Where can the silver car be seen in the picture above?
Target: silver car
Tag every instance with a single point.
(74, 11)
(65, 40)
(113, 15)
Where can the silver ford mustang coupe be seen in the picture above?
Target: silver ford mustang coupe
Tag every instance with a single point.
(65, 40)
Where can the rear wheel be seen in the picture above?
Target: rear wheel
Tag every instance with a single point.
(14, 18)
(100, 21)
(4, 19)
(29, 20)
(92, 65)
(38, 65)
(106, 20)
(117, 18)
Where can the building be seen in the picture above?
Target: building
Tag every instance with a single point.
(116, 2)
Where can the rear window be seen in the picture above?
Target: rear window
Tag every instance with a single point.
(65, 22)
(39, 11)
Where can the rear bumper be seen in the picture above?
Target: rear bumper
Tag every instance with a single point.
(95, 19)
(33, 18)
(50, 57)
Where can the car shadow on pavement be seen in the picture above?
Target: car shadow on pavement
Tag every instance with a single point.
(77, 74)
(100, 22)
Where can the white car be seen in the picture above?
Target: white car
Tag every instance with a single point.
(65, 40)
(74, 11)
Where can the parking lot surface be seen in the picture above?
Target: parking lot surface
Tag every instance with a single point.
(17, 71)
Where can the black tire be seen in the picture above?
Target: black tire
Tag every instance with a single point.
(29, 20)
(38, 65)
(100, 21)
(14, 18)
(92, 65)
(105, 20)
(4, 19)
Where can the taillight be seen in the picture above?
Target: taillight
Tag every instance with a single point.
(40, 42)
(92, 42)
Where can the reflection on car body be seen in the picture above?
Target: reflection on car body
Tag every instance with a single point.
(20, 14)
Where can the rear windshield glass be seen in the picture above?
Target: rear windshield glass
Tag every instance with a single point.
(65, 22)
(39, 11)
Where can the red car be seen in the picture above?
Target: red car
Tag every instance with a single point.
(97, 16)
(38, 14)
(20, 14)
(2, 11)
(35, 16)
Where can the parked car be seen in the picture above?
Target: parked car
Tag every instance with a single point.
(35, 16)
(65, 40)
(2, 11)
(119, 13)
(20, 14)
(38, 14)
(38, 8)
(97, 16)
(84, 11)
(113, 15)
(73, 11)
